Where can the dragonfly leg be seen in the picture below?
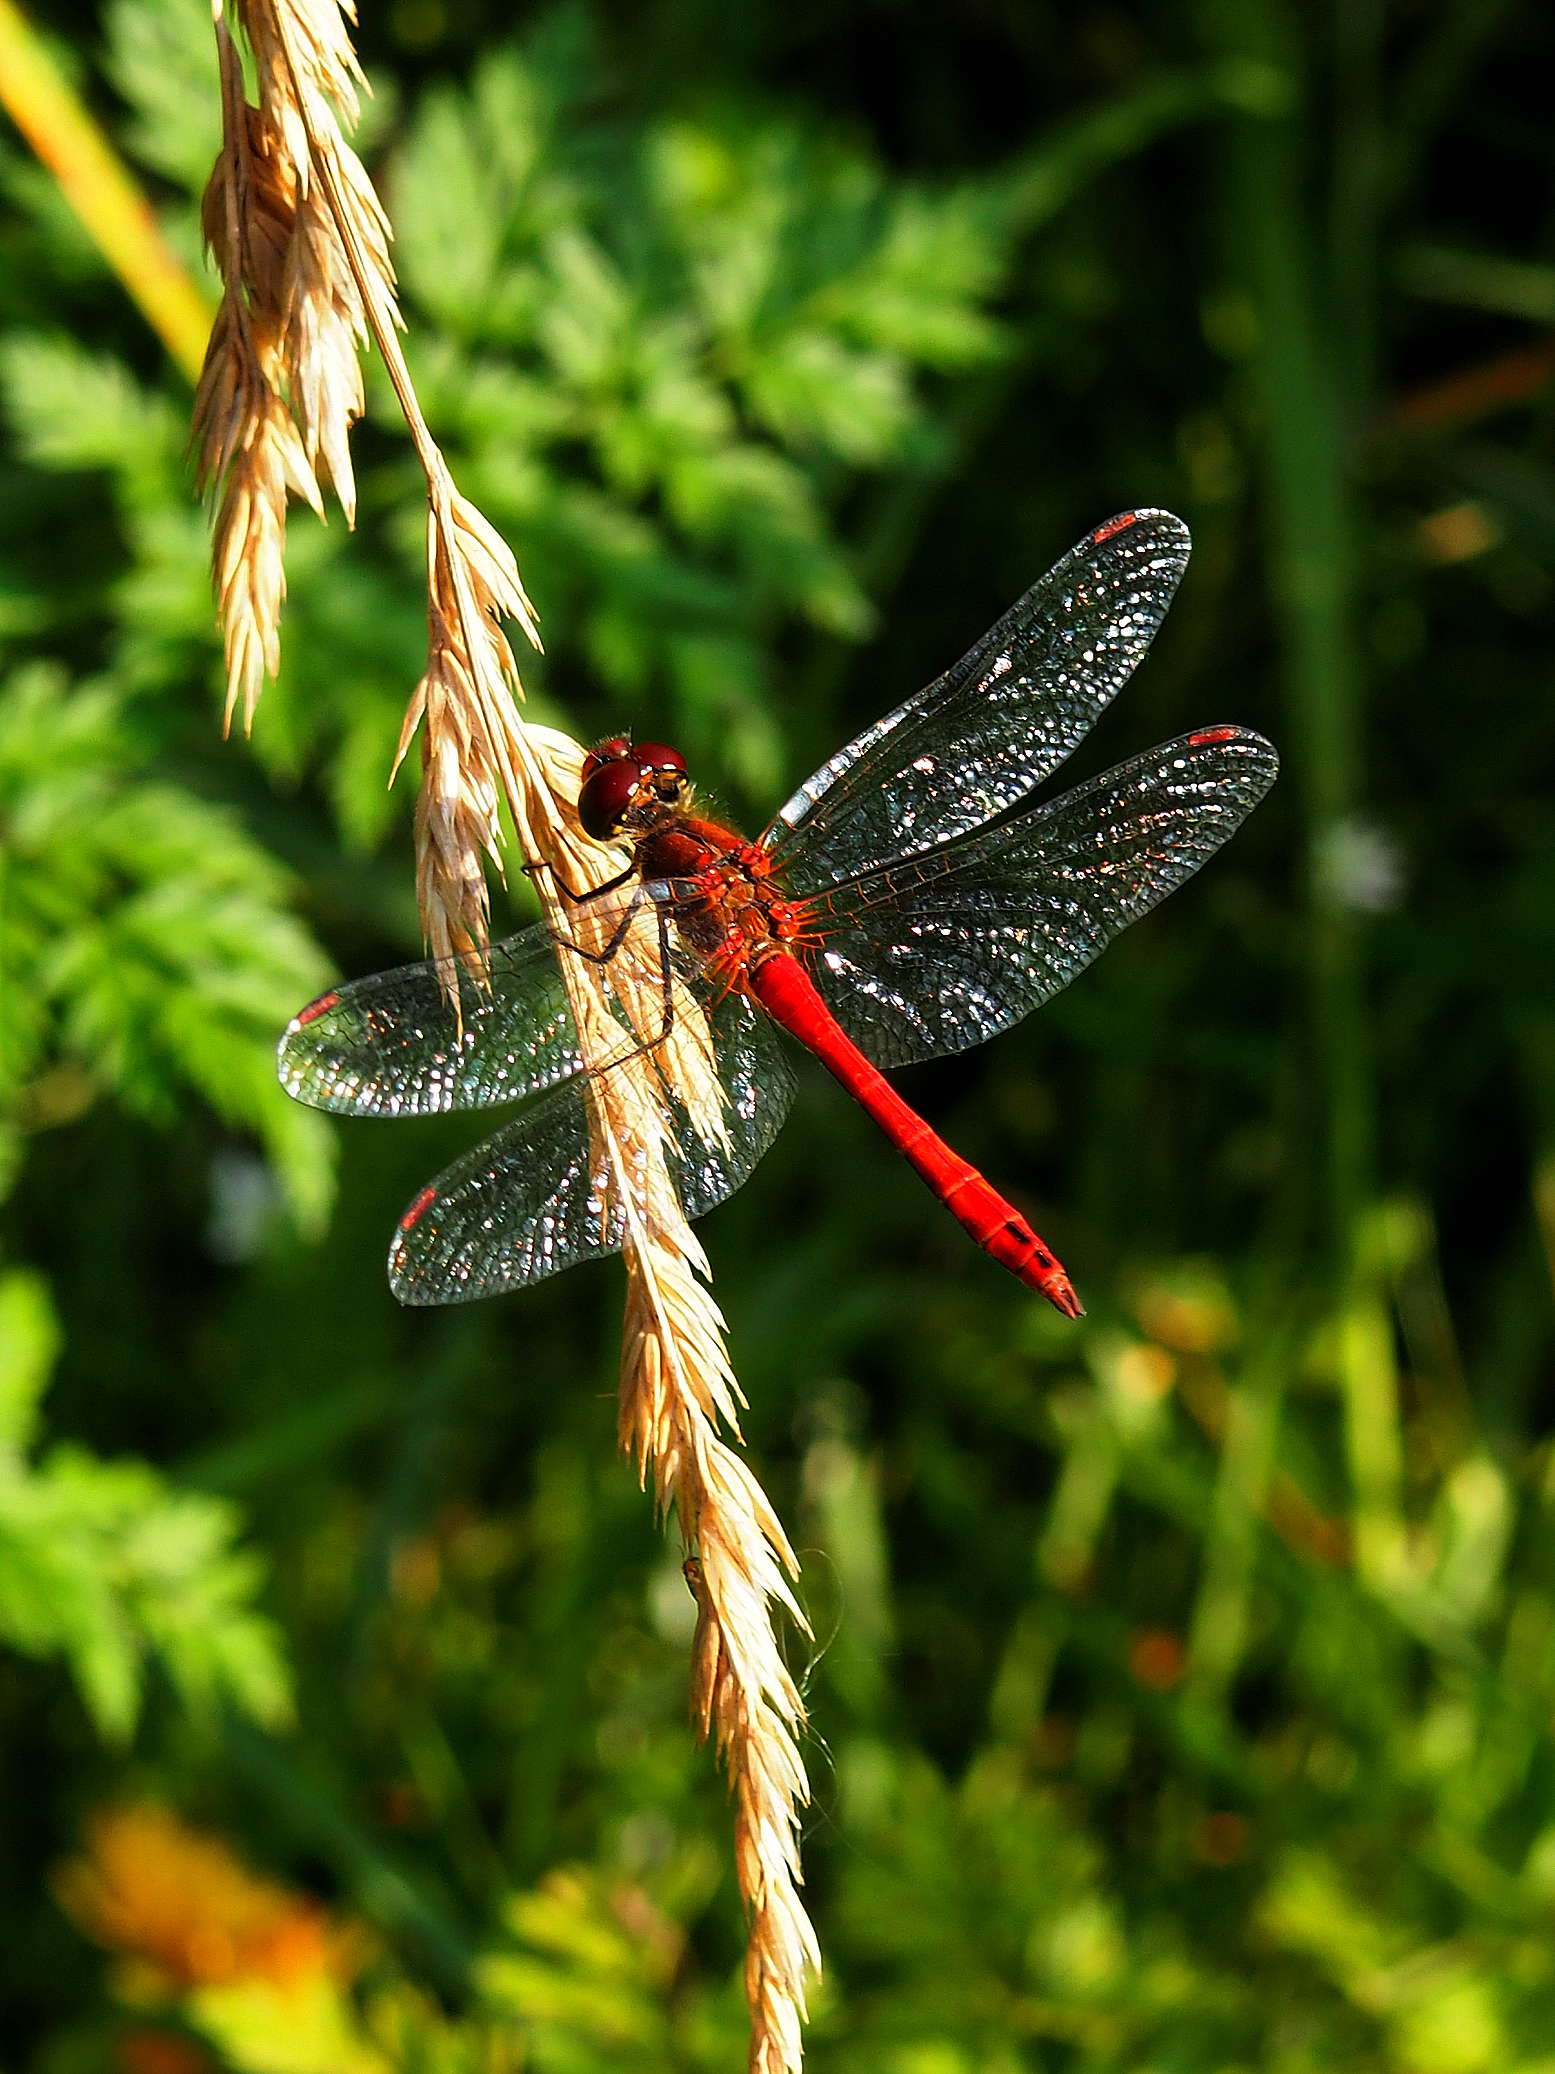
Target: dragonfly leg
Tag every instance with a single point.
(666, 982)
(644, 1045)
(604, 957)
(533, 871)
(666, 975)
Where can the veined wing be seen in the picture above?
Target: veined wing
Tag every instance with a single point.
(537, 1197)
(943, 951)
(978, 739)
(391, 1044)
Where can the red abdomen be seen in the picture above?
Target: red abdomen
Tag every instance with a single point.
(783, 987)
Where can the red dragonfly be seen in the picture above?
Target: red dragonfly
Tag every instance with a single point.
(908, 901)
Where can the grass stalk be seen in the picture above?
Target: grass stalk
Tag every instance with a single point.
(304, 248)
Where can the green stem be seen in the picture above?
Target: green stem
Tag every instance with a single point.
(1355, 214)
(1311, 545)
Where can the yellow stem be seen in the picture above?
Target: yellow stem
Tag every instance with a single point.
(94, 182)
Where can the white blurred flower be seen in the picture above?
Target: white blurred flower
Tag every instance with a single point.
(1361, 867)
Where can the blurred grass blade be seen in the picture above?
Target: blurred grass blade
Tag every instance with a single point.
(1373, 1437)
(299, 1440)
(384, 1892)
(1479, 281)
(1312, 554)
(1221, 1614)
(1064, 162)
(1444, 57)
(97, 186)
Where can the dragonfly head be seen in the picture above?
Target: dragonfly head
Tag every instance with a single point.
(628, 787)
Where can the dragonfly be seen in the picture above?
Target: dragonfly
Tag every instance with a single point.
(910, 900)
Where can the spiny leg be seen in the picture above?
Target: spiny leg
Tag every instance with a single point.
(605, 956)
(666, 973)
(533, 871)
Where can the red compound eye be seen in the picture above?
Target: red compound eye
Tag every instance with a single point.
(607, 752)
(607, 793)
(658, 756)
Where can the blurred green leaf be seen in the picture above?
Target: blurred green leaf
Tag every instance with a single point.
(103, 1563)
(29, 1341)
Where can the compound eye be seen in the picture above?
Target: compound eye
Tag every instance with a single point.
(607, 752)
(606, 794)
(658, 756)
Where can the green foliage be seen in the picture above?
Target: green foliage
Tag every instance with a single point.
(146, 946)
(146, 954)
(663, 360)
(587, 1981)
(106, 1565)
(159, 61)
(85, 412)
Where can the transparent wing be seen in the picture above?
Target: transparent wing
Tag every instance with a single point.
(536, 1197)
(391, 1045)
(943, 951)
(978, 739)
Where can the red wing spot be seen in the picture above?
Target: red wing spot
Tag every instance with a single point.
(317, 1008)
(414, 1214)
(1120, 524)
(1208, 736)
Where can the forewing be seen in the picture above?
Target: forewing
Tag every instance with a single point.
(977, 740)
(944, 951)
(393, 1045)
(537, 1197)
